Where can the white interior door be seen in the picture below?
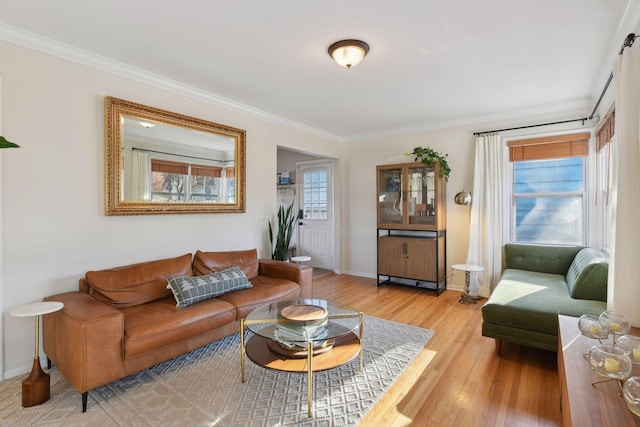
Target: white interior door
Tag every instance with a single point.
(315, 227)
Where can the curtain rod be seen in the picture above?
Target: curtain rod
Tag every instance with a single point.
(628, 41)
(223, 162)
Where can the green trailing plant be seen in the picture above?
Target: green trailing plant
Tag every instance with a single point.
(286, 224)
(6, 144)
(429, 157)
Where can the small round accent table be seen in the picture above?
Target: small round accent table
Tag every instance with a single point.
(300, 259)
(466, 298)
(35, 388)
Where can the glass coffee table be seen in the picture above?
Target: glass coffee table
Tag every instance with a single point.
(302, 336)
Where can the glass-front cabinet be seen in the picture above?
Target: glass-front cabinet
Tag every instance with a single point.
(411, 226)
(411, 196)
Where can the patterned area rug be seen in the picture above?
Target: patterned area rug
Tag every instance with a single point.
(203, 388)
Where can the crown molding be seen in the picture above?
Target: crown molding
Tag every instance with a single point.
(62, 50)
(542, 113)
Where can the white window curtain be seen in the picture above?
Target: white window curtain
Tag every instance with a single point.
(624, 283)
(488, 218)
(141, 182)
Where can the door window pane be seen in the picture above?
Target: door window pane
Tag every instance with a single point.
(315, 195)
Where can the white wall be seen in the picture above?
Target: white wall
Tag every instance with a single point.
(54, 223)
(359, 218)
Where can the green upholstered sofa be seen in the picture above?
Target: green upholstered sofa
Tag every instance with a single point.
(539, 282)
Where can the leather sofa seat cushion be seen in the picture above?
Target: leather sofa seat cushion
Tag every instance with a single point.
(265, 290)
(210, 262)
(151, 326)
(136, 284)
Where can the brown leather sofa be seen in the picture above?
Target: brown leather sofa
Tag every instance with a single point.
(124, 319)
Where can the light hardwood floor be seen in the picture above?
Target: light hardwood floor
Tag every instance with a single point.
(457, 380)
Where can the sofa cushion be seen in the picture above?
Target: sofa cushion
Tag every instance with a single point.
(136, 283)
(188, 290)
(150, 327)
(210, 262)
(265, 290)
(587, 276)
(532, 301)
(540, 258)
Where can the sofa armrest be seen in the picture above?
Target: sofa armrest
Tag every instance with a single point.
(85, 340)
(588, 275)
(299, 273)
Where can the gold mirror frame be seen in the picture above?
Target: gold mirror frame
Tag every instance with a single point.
(115, 111)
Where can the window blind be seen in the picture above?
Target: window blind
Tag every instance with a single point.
(606, 128)
(169, 167)
(549, 147)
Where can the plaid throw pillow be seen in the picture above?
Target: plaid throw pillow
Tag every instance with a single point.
(188, 290)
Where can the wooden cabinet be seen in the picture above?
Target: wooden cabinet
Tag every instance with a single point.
(411, 226)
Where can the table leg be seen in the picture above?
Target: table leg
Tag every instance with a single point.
(309, 378)
(242, 350)
(35, 388)
(361, 340)
(466, 298)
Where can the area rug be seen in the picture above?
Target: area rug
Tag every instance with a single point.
(203, 388)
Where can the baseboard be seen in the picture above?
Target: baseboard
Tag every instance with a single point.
(359, 274)
(24, 369)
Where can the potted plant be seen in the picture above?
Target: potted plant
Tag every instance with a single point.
(429, 157)
(286, 224)
(6, 144)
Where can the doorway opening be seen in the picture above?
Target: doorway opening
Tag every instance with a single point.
(312, 187)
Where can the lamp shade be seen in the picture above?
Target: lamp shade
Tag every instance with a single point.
(462, 198)
(348, 53)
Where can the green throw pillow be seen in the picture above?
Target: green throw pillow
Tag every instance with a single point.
(190, 289)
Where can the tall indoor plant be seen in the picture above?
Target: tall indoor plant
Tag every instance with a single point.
(286, 224)
(6, 144)
(429, 157)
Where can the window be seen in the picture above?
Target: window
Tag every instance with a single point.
(180, 182)
(315, 195)
(604, 178)
(549, 189)
(603, 197)
(168, 181)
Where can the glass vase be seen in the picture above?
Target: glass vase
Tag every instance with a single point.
(631, 345)
(617, 322)
(591, 327)
(610, 362)
(631, 393)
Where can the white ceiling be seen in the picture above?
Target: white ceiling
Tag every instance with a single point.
(432, 63)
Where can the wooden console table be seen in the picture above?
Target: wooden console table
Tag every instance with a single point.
(583, 404)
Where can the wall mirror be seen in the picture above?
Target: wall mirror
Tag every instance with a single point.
(159, 162)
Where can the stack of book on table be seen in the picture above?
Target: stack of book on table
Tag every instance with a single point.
(296, 334)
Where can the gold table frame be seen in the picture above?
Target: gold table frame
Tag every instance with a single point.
(309, 357)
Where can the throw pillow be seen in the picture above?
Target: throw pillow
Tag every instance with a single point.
(188, 290)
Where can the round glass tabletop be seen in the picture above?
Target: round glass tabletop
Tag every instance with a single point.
(302, 321)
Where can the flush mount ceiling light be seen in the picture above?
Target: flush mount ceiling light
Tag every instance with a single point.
(146, 125)
(348, 53)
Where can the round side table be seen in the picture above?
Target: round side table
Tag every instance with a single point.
(35, 388)
(300, 259)
(468, 269)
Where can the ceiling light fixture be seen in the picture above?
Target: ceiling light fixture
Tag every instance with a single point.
(348, 53)
(146, 125)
